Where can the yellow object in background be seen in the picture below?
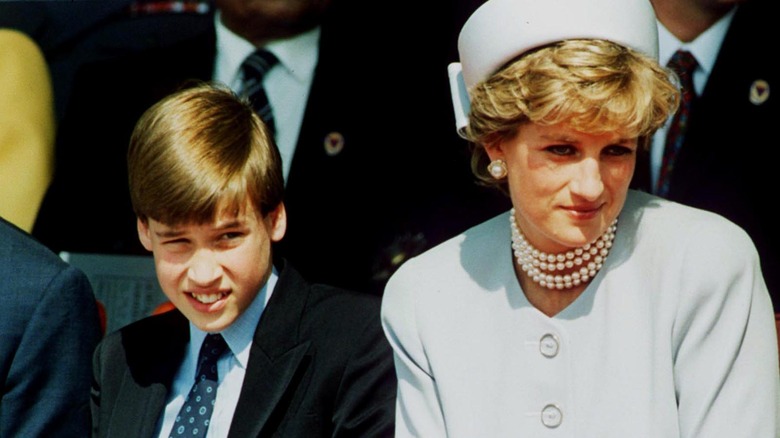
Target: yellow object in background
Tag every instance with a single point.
(26, 128)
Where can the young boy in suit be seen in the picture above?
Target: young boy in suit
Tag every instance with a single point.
(289, 358)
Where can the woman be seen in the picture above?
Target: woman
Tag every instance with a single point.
(588, 310)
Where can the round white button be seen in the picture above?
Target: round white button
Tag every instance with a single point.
(552, 416)
(549, 345)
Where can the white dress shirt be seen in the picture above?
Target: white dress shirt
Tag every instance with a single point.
(287, 84)
(705, 49)
(231, 367)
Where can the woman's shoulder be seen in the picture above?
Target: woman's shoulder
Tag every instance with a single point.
(459, 272)
(454, 261)
(479, 239)
(651, 213)
(660, 223)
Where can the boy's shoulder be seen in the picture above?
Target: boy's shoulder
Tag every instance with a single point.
(322, 305)
(155, 336)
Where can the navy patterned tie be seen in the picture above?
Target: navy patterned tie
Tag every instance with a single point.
(254, 68)
(683, 63)
(194, 417)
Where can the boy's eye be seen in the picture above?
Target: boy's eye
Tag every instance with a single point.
(175, 243)
(231, 235)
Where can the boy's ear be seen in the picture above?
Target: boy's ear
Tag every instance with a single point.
(144, 235)
(276, 222)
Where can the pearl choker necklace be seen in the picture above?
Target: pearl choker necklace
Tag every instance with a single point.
(581, 264)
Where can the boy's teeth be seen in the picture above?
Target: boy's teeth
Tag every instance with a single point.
(207, 298)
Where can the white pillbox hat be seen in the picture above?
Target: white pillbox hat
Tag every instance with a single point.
(501, 30)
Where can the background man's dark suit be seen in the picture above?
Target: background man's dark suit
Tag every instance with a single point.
(399, 185)
(319, 366)
(725, 164)
(48, 329)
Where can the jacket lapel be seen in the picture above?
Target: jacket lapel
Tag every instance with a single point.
(276, 360)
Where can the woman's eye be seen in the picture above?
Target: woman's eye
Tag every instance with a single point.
(561, 150)
(617, 150)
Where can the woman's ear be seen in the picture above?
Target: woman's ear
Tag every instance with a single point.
(494, 150)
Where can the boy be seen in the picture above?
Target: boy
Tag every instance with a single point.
(290, 358)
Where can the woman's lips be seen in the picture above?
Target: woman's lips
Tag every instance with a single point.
(583, 211)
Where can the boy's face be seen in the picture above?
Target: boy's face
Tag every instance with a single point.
(212, 272)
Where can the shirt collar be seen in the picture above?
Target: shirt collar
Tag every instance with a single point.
(704, 48)
(240, 334)
(297, 54)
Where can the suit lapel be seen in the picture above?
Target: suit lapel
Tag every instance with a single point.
(277, 359)
(139, 417)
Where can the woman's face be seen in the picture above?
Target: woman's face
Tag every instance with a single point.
(566, 186)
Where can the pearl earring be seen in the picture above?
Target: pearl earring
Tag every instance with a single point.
(497, 168)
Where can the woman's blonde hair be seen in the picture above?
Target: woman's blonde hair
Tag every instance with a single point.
(595, 86)
(198, 152)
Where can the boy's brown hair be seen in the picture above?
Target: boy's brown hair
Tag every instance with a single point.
(200, 151)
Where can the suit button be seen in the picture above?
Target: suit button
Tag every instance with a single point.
(549, 345)
(552, 416)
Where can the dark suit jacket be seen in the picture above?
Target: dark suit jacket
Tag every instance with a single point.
(725, 165)
(320, 366)
(352, 217)
(48, 329)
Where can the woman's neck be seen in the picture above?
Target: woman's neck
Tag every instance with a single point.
(548, 301)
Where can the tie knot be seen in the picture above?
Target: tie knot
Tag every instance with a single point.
(254, 69)
(213, 348)
(683, 63)
(258, 63)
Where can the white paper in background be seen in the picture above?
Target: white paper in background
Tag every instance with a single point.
(126, 285)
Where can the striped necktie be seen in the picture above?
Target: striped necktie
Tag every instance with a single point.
(684, 64)
(254, 68)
